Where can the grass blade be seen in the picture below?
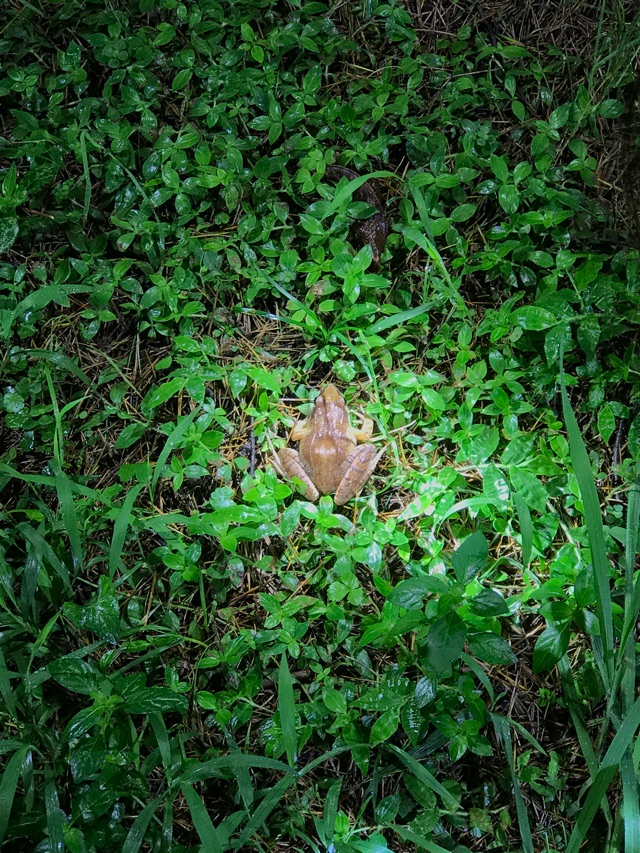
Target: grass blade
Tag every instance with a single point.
(120, 529)
(503, 731)
(398, 319)
(630, 809)
(526, 528)
(136, 834)
(8, 785)
(162, 739)
(265, 808)
(69, 516)
(330, 812)
(423, 843)
(204, 827)
(423, 775)
(595, 530)
(610, 763)
(54, 813)
(173, 439)
(287, 709)
(44, 550)
(242, 773)
(216, 766)
(6, 692)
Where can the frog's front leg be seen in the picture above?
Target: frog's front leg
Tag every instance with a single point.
(289, 465)
(356, 470)
(366, 430)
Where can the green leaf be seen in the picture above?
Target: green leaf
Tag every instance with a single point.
(550, 646)
(445, 642)
(385, 726)
(335, 701)
(588, 335)
(509, 198)
(410, 593)
(102, 616)
(495, 486)
(556, 342)
(532, 318)
(499, 168)
(76, 675)
(157, 396)
(264, 379)
(488, 602)
(471, 557)
(141, 699)
(491, 648)
(530, 488)
(559, 116)
(606, 422)
(8, 232)
(129, 435)
(611, 108)
(463, 212)
(166, 34)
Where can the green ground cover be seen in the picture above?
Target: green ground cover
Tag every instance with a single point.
(192, 656)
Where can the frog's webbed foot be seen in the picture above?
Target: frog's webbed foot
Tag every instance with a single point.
(358, 468)
(287, 462)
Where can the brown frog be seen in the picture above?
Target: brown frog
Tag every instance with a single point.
(374, 230)
(328, 458)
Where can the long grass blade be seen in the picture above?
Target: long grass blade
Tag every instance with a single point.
(595, 530)
(6, 691)
(136, 834)
(44, 550)
(287, 709)
(60, 360)
(207, 832)
(8, 786)
(69, 515)
(54, 813)
(173, 439)
(610, 763)
(330, 812)
(216, 767)
(423, 775)
(424, 843)
(398, 319)
(526, 527)
(268, 804)
(120, 529)
(630, 808)
(162, 738)
(503, 731)
(242, 773)
(625, 664)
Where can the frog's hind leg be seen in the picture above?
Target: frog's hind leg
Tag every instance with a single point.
(356, 470)
(290, 466)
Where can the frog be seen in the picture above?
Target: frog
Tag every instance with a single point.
(329, 459)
